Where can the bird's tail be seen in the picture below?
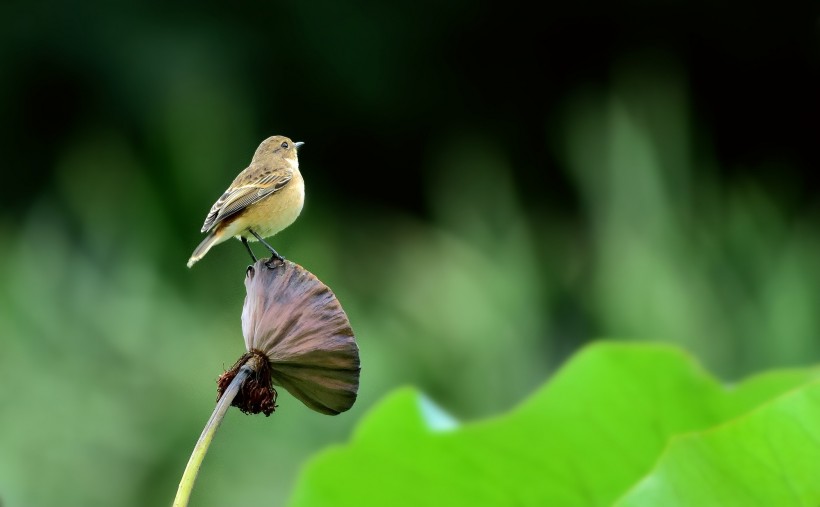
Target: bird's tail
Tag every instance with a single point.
(210, 240)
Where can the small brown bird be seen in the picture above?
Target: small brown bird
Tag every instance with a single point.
(265, 198)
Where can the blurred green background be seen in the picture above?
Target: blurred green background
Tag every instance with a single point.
(488, 189)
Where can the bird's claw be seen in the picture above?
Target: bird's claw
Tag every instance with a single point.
(275, 261)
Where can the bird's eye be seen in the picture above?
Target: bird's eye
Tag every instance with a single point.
(285, 145)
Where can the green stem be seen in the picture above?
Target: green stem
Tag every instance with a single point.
(186, 484)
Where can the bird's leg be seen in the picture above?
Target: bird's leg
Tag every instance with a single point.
(245, 242)
(274, 253)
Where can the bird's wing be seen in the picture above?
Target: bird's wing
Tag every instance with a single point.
(245, 191)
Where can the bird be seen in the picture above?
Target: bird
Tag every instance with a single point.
(265, 198)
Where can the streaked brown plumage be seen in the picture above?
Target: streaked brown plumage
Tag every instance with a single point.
(265, 198)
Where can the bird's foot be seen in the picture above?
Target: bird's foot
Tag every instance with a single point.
(275, 261)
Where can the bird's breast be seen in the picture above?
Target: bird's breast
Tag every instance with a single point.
(275, 212)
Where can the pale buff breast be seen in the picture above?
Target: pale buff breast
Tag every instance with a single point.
(272, 214)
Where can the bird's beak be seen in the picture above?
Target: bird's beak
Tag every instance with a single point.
(298, 144)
